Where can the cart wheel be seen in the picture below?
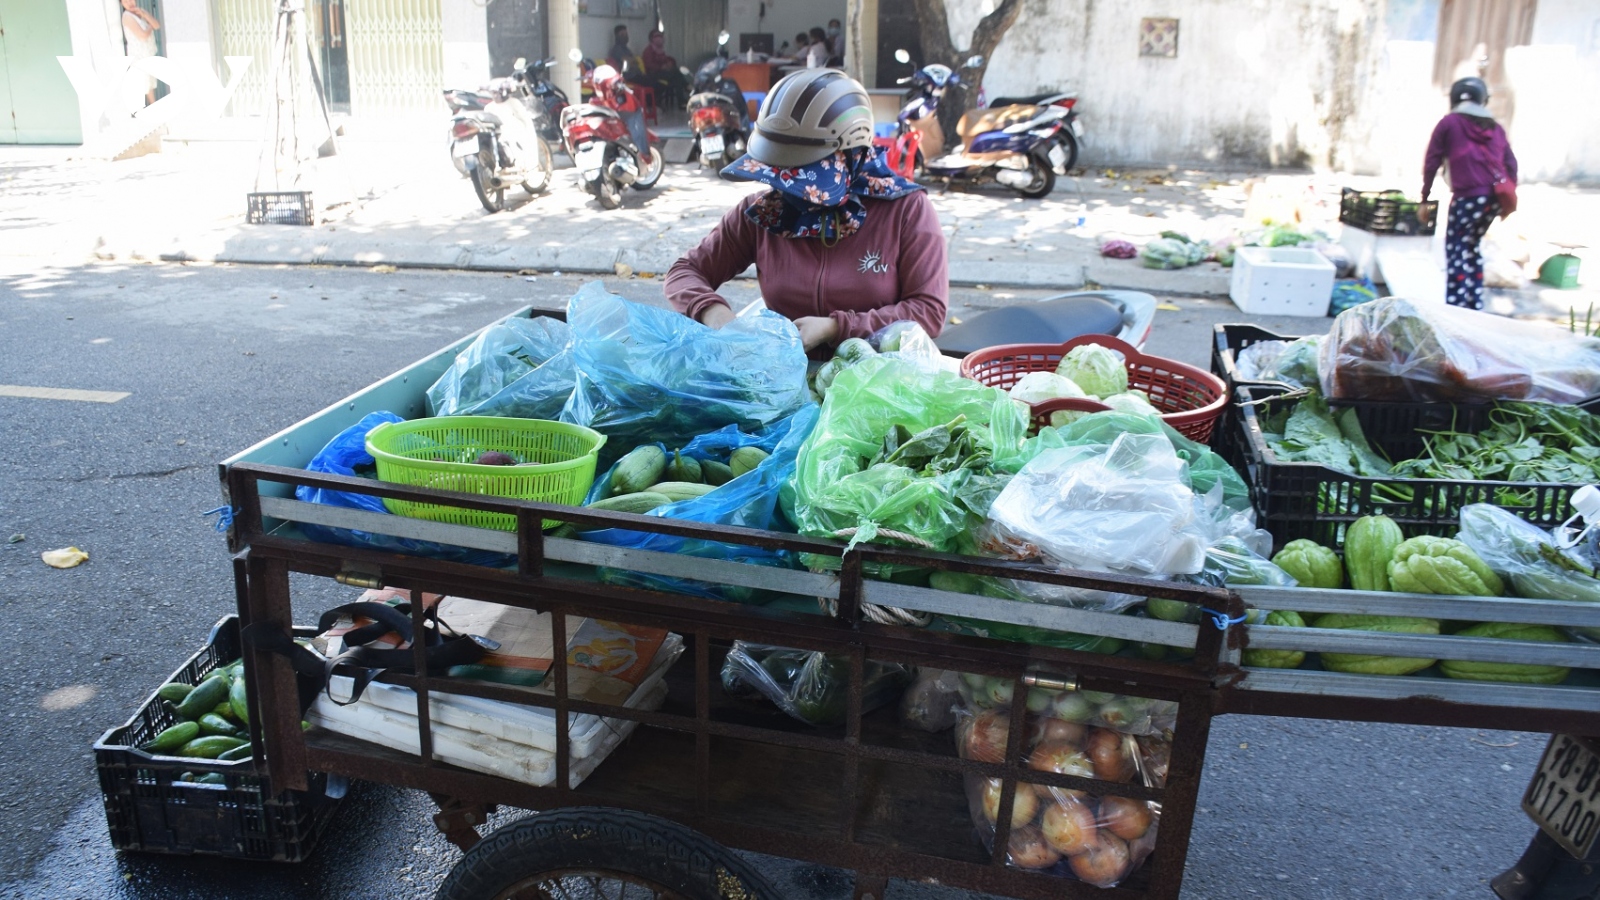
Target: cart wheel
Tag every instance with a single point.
(594, 853)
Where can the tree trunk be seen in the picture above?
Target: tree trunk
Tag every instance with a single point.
(938, 48)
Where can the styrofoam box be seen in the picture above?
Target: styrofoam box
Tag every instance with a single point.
(1281, 281)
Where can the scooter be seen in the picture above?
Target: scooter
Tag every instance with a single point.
(1055, 320)
(495, 139)
(1068, 139)
(603, 150)
(550, 99)
(717, 111)
(1010, 147)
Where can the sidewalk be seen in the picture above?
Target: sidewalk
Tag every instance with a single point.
(407, 206)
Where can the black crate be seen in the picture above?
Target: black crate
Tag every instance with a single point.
(1306, 500)
(149, 809)
(1387, 212)
(280, 208)
(1228, 341)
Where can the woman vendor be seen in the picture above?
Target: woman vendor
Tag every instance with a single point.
(841, 245)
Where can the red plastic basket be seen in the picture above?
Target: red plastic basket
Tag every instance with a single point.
(1190, 399)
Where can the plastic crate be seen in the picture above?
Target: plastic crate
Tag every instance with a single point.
(1307, 500)
(1387, 212)
(1189, 399)
(1281, 281)
(150, 810)
(280, 208)
(1228, 341)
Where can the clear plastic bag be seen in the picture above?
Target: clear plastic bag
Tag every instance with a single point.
(1393, 349)
(646, 374)
(520, 368)
(1097, 838)
(748, 501)
(1525, 554)
(1291, 362)
(347, 454)
(931, 701)
(809, 685)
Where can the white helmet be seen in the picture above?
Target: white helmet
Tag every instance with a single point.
(808, 115)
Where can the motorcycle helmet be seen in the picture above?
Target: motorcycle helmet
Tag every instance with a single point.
(605, 79)
(808, 115)
(1470, 96)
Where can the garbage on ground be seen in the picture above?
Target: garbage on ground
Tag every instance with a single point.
(65, 558)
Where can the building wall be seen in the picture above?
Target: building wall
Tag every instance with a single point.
(783, 19)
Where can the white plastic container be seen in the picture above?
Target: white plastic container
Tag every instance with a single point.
(1281, 281)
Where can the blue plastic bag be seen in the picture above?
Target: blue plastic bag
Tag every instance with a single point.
(646, 374)
(344, 455)
(748, 501)
(520, 368)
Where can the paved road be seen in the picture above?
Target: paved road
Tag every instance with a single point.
(215, 358)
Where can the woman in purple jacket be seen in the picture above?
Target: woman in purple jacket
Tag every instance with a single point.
(1478, 155)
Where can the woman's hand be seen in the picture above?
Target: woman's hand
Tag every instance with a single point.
(716, 315)
(816, 331)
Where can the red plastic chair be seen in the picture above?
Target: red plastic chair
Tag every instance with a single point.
(647, 99)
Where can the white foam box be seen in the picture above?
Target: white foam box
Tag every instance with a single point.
(1281, 281)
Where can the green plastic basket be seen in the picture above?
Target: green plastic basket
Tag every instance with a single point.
(557, 463)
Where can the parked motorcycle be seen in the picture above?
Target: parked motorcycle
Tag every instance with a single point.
(717, 112)
(1055, 320)
(603, 148)
(1068, 139)
(1008, 146)
(495, 138)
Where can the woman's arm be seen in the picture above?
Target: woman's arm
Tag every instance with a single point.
(1434, 157)
(693, 280)
(923, 270)
(138, 26)
(1510, 160)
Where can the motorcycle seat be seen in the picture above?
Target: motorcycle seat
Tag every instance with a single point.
(1052, 321)
(981, 121)
(487, 117)
(1034, 100)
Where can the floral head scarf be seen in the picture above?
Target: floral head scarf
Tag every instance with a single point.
(822, 199)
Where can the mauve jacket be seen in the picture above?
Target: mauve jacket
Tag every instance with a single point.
(894, 268)
(1478, 155)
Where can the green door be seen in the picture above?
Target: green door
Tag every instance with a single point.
(37, 103)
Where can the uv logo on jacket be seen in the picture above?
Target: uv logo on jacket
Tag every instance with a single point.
(872, 261)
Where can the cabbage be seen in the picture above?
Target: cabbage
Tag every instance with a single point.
(1136, 402)
(1096, 369)
(1037, 387)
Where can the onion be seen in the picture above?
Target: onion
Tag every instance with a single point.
(1125, 817)
(1023, 809)
(1058, 731)
(1069, 827)
(985, 738)
(1029, 850)
(1109, 752)
(1104, 863)
(1062, 758)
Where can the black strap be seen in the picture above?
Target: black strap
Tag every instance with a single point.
(362, 661)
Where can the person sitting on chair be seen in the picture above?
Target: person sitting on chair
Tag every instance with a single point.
(663, 70)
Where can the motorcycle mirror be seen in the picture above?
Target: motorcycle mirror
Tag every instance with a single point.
(974, 61)
(575, 55)
(520, 64)
(722, 38)
(901, 56)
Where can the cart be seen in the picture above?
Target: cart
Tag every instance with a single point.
(703, 774)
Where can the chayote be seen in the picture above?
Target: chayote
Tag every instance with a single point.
(1364, 664)
(1311, 564)
(1278, 659)
(1439, 565)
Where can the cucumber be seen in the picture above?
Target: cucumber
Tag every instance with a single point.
(174, 692)
(204, 698)
(243, 751)
(638, 502)
(210, 746)
(211, 723)
(223, 709)
(680, 490)
(239, 699)
(172, 738)
(638, 470)
(716, 474)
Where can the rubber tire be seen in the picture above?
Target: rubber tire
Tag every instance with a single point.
(658, 163)
(602, 840)
(1068, 143)
(606, 192)
(1044, 178)
(546, 166)
(492, 199)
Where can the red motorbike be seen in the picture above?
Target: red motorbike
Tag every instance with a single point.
(603, 138)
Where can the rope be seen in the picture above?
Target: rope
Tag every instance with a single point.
(872, 612)
(224, 516)
(1220, 619)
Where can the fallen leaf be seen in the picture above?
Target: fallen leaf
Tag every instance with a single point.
(17, 538)
(383, 269)
(64, 558)
(1168, 307)
(527, 271)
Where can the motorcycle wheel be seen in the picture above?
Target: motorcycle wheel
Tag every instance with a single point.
(544, 170)
(492, 198)
(1070, 145)
(649, 175)
(1044, 178)
(606, 191)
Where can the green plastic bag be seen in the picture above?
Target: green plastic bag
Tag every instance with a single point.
(835, 493)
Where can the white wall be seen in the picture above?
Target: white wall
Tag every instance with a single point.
(464, 56)
(784, 18)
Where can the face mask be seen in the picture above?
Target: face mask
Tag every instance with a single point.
(833, 32)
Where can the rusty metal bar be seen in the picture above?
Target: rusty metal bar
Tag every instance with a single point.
(419, 662)
(1180, 797)
(274, 690)
(530, 545)
(702, 730)
(558, 635)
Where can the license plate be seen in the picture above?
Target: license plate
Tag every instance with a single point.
(1564, 795)
(711, 145)
(1077, 128)
(465, 148)
(1058, 156)
(590, 158)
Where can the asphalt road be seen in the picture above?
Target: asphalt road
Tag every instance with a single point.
(215, 358)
